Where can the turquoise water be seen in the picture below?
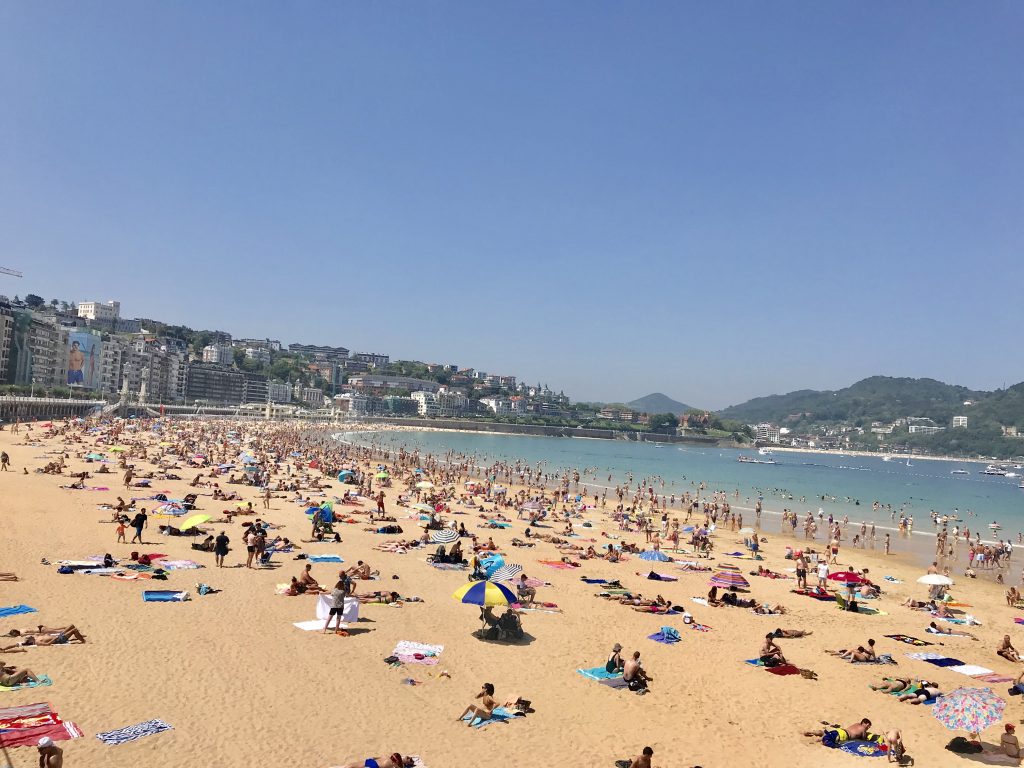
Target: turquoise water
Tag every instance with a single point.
(849, 483)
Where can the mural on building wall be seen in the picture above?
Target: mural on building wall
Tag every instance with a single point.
(84, 369)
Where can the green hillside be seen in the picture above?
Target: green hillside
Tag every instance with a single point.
(656, 402)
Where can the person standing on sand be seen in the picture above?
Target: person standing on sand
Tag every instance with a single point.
(887, 543)
(50, 756)
(220, 548)
(140, 521)
(266, 498)
(5, 461)
(128, 477)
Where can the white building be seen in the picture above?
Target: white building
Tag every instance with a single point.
(310, 395)
(259, 354)
(279, 391)
(426, 403)
(451, 402)
(959, 421)
(768, 433)
(94, 310)
(372, 359)
(497, 405)
(219, 354)
(924, 429)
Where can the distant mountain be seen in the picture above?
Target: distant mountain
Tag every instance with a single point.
(878, 398)
(656, 402)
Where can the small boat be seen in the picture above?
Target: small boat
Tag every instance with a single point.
(751, 460)
(765, 451)
(995, 526)
(959, 472)
(887, 457)
(992, 469)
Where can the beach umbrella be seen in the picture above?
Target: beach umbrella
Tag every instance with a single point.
(95, 456)
(169, 510)
(846, 577)
(345, 473)
(382, 475)
(969, 709)
(421, 507)
(728, 580)
(472, 482)
(444, 536)
(193, 521)
(746, 530)
(728, 567)
(484, 593)
(936, 580)
(532, 506)
(118, 449)
(499, 490)
(654, 555)
(424, 484)
(507, 572)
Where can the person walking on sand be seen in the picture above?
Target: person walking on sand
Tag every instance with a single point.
(121, 531)
(266, 498)
(139, 522)
(129, 475)
(220, 548)
(5, 461)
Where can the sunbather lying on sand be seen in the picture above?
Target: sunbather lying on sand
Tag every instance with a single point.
(892, 685)
(395, 761)
(8, 577)
(919, 605)
(655, 608)
(920, 693)
(12, 676)
(860, 653)
(767, 609)
(70, 633)
(792, 633)
(937, 630)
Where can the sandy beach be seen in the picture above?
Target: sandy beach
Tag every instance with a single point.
(241, 685)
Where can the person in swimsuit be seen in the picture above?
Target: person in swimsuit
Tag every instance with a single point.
(937, 630)
(486, 708)
(395, 761)
(921, 693)
(1007, 651)
(792, 633)
(12, 676)
(770, 652)
(892, 685)
(615, 662)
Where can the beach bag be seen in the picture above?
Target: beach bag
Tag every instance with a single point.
(670, 633)
(962, 746)
(65, 569)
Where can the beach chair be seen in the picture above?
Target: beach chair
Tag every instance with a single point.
(846, 605)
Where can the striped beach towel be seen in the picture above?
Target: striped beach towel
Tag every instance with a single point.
(133, 732)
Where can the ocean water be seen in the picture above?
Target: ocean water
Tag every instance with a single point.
(839, 485)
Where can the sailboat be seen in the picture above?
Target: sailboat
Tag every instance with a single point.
(908, 459)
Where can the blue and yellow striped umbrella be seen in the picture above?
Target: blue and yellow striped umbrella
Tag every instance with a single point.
(485, 593)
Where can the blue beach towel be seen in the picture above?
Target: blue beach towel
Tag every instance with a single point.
(325, 559)
(133, 732)
(498, 715)
(14, 610)
(944, 662)
(164, 596)
(593, 581)
(863, 748)
(667, 636)
(43, 680)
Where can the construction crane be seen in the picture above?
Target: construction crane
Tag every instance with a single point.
(12, 272)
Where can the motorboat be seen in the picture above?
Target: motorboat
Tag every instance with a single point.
(959, 472)
(992, 469)
(752, 460)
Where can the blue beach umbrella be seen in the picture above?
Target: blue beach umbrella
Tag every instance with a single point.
(654, 555)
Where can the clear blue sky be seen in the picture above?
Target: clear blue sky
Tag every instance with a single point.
(716, 201)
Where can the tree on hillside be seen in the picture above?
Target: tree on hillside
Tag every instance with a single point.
(33, 301)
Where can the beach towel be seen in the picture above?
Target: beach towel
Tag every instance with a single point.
(700, 601)
(700, 627)
(605, 581)
(863, 748)
(29, 737)
(663, 638)
(556, 564)
(604, 677)
(350, 613)
(133, 732)
(25, 710)
(311, 625)
(164, 596)
(179, 565)
(325, 559)
(102, 571)
(925, 655)
(43, 680)
(783, 670)
(661, 577)
(409, 652)
(908, 640)
(892, 580)
(498, 715)
(945, 662)
(14, 610)
(815, 595)
(971, 670)
(882, 658)
(993, 678)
